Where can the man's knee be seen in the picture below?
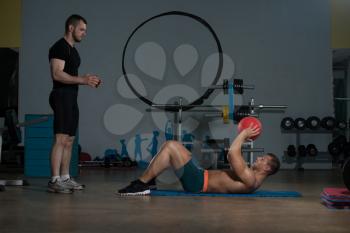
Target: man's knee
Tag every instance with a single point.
(172, 145)
(69, 142)
(177, 150)
(64, 140)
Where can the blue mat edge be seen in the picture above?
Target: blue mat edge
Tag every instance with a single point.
(261, 193)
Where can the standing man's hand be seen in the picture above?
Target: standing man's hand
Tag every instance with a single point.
(92, 80)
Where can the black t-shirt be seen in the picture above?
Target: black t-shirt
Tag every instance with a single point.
(64, 51)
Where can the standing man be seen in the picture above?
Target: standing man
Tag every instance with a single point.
(64, 63)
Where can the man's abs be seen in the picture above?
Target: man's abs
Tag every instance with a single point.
(225, 181)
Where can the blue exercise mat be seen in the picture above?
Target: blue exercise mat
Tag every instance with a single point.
(260, 193)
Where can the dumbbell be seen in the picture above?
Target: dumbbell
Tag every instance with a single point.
(311, 150)
(291, 151)
(300, 123)
(328, 123)
(313, 122)
(341, 124)
(302, 151)
(287, 123)
(335, 148)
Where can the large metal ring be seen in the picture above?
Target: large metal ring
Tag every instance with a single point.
(207, 93)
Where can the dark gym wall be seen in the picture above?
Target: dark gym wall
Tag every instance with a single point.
(8, 79)
(282, 47)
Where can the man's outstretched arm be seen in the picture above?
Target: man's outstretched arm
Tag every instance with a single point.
(235, 158)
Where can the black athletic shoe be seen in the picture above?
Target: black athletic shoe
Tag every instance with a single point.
(135, 188)
(152, 184)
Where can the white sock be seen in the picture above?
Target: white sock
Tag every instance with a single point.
(65, 177)
(55, 178)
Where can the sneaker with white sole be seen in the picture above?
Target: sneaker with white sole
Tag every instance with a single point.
(135, 188)
(59, 187)
(73, 184)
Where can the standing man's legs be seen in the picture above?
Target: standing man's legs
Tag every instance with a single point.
(57, 156)
(65, 165)
(58, 149)
(66, 118)
(67, 155)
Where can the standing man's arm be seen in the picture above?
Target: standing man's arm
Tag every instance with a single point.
(57, 73)
(235, 158)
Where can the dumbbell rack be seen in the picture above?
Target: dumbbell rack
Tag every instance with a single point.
(322, 156)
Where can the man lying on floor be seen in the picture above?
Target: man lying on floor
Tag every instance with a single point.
(239, 179)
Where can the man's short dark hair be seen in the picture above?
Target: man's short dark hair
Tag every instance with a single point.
(74, 20)
(274, 163)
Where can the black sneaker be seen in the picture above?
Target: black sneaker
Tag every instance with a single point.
(135, 188)
(152, 184)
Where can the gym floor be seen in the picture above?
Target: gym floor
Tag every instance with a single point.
(99, 209)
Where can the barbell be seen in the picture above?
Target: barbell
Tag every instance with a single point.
(226, 112)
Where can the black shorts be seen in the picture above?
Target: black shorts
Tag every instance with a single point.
(193, 178)
(66, 112)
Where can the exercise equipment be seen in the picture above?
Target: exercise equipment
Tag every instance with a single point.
(287, 123)
(328, 123)
(313, 122)
(336, 147)
(311, 150)
(246, 122)
(260, 193)
(215, 147)
(12, 127)
(341, 124)
(336, 198)
(291, 151)
(300, 123)
(235, 113)
(346, 173)
(197, 19)
(237, 85)
(227, 112)
(84, 156)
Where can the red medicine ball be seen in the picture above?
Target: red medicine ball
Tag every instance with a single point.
(246, 121)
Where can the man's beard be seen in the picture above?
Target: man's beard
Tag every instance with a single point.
(76, 39)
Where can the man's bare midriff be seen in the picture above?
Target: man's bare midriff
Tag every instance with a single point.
(226, 181)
